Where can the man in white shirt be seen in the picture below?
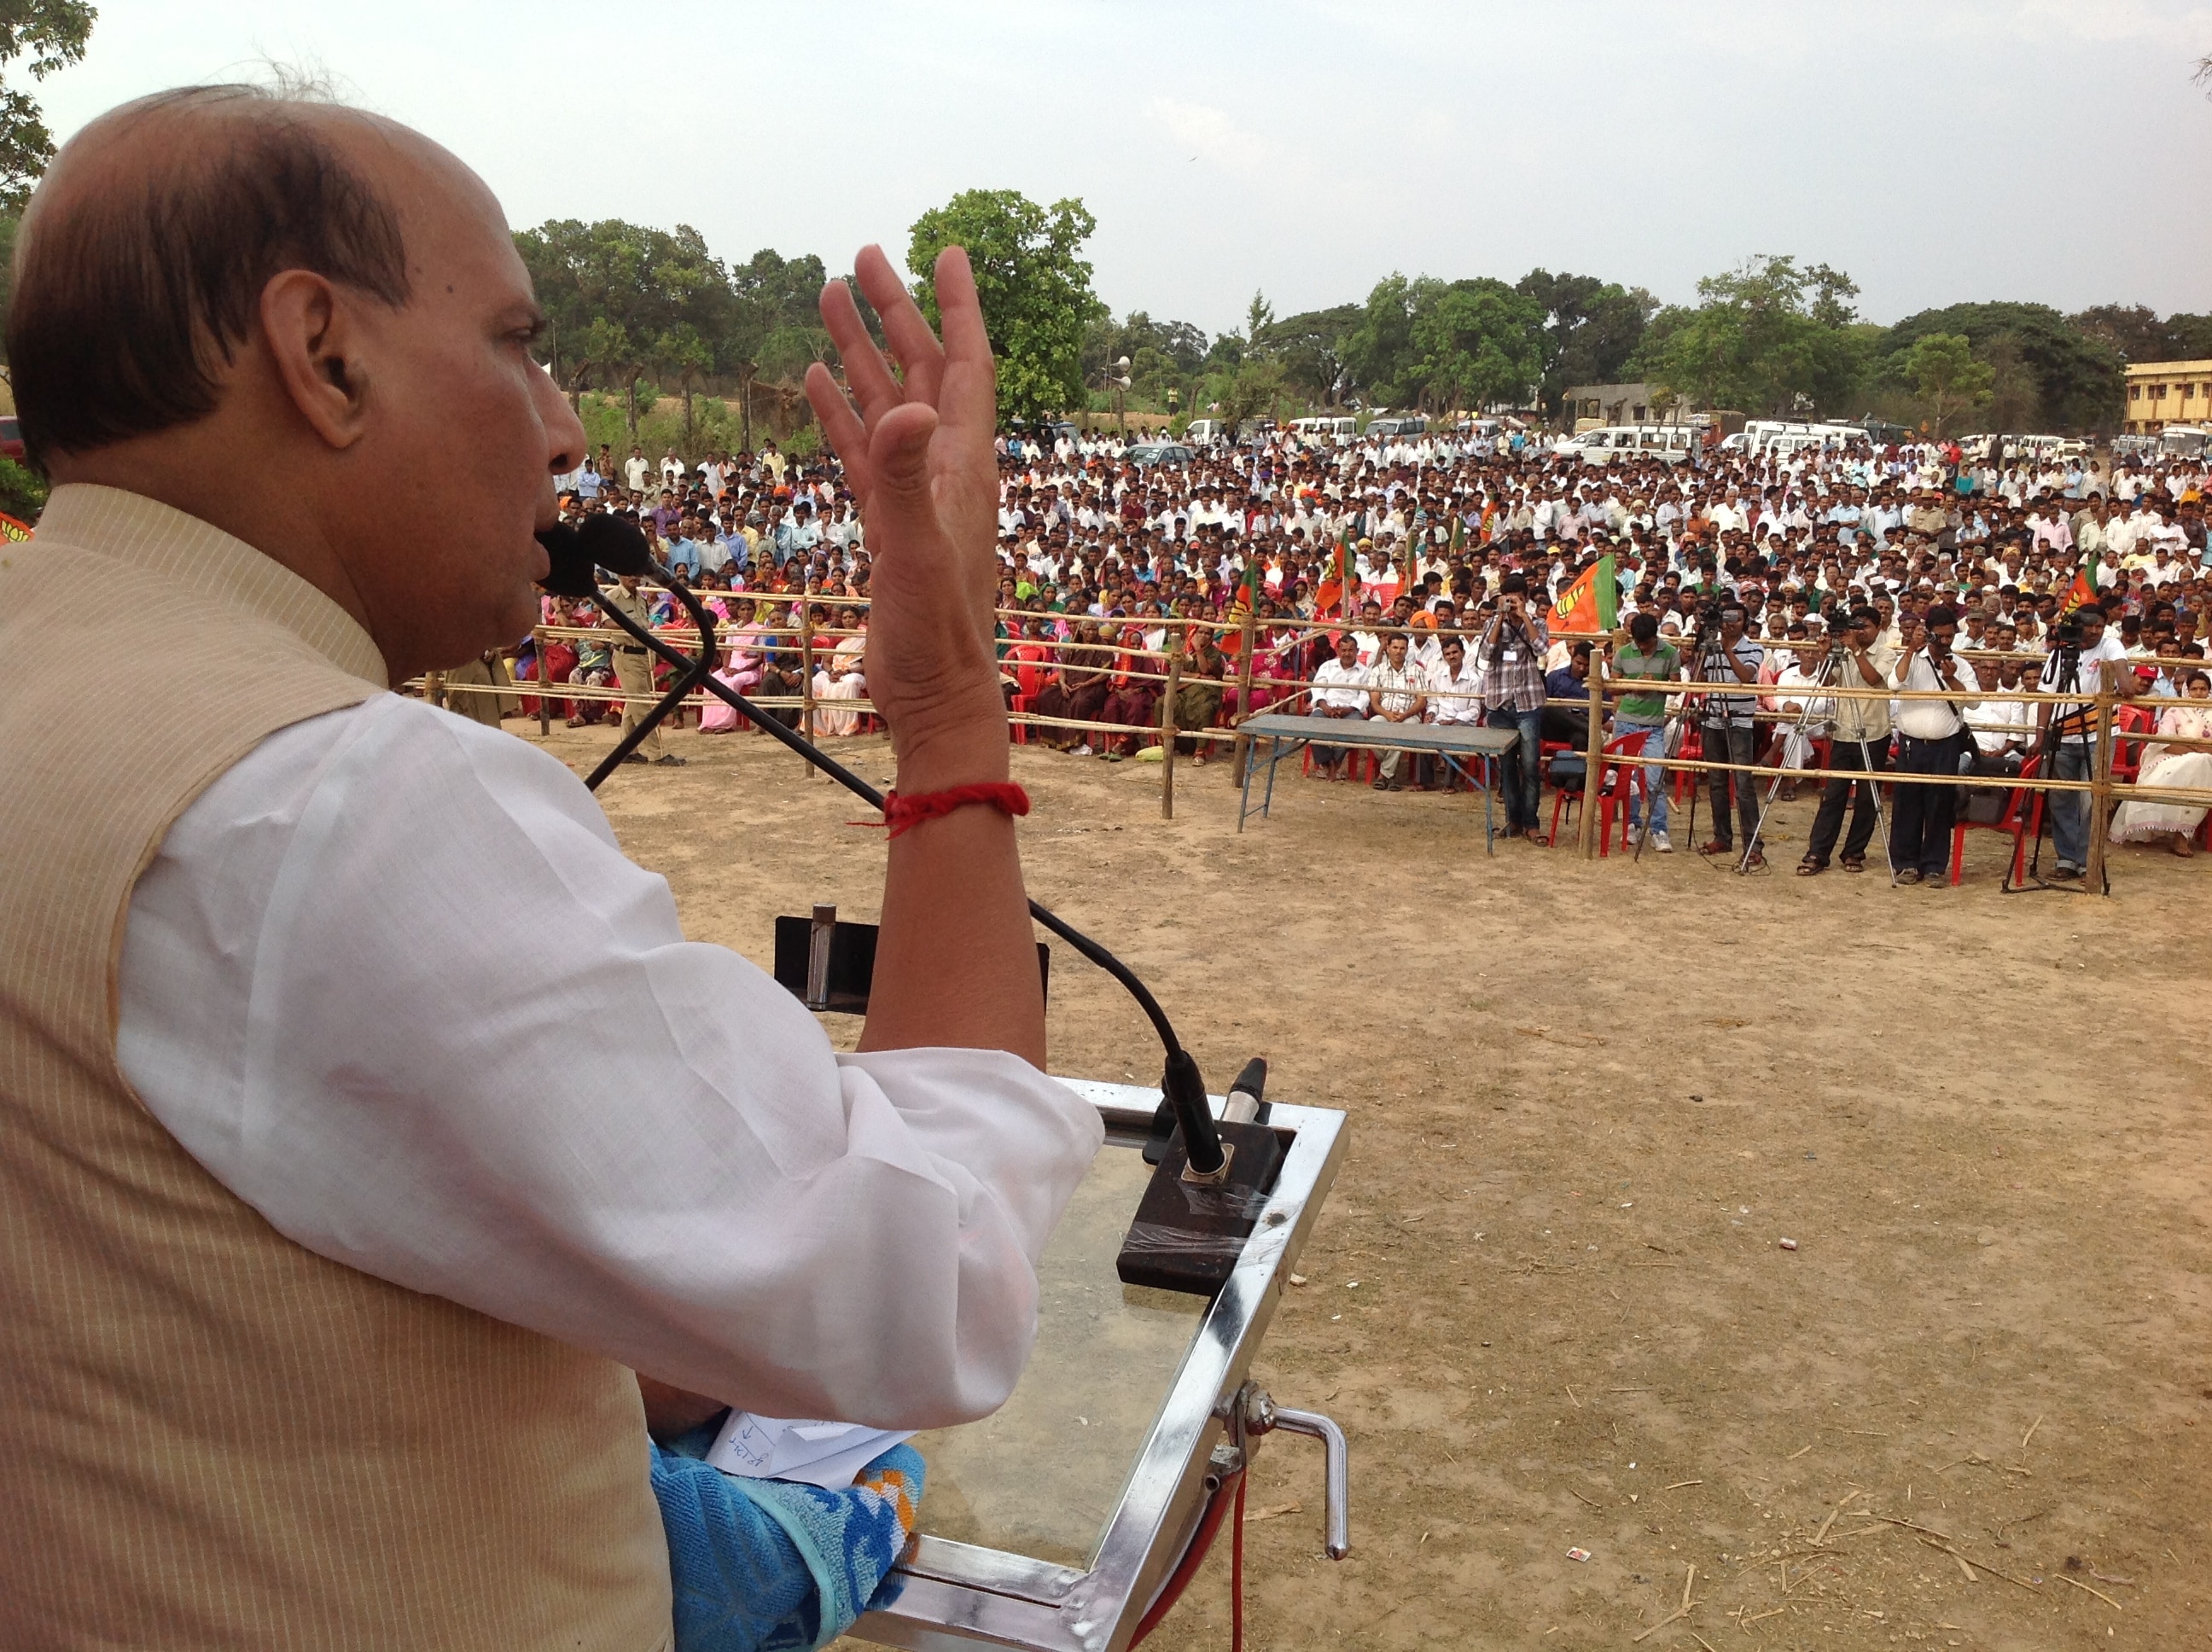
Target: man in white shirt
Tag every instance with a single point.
(1339, 691)
(1454, 686)
(1932, 737)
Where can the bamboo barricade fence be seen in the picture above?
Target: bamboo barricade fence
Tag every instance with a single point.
(2103, 788)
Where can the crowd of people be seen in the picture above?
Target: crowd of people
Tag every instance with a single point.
(1414, 577)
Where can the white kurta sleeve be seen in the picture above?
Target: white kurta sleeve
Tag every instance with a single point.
(392, 982)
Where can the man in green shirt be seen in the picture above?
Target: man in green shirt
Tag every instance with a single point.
(1639, 653)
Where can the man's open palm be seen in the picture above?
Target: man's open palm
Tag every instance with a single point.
(919, 456)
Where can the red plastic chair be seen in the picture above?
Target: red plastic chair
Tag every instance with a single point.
(1685, 780)
(2018, 822)
(1616, 775)
(2127, 754)
(1358, 760)
(1019, 733)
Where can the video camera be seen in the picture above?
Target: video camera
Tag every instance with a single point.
(2066, 629)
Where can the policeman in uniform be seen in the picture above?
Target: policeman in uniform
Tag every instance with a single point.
(633, 671)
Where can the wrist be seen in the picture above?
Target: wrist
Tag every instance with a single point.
(941, 757)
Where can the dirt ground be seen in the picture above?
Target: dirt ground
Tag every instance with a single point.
(1547, 1298)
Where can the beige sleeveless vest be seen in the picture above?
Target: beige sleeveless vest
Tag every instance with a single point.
(210, 1437)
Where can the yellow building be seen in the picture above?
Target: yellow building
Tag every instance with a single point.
(2160, 393)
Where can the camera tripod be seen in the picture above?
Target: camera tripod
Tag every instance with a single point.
(1827, 675)
(2065, 670)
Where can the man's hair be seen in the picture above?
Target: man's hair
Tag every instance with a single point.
(128, 298)
(1645, 628)
(1941, 614)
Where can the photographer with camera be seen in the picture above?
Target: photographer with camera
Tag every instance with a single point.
(1513, 648)
(2069, 729)
(1725, 721)
(1933, 735)
(1861, 741)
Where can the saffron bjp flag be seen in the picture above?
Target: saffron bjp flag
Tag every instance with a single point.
(2084, 588)
(13, 530)
(1336, 589)
(1246, 601)
(1592, 603)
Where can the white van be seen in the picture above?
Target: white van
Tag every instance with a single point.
(1326, 428)
(1673, 443)
(1198, 432)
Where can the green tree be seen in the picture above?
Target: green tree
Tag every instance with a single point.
(1035, 285)
(1591, 329)
(1479, 341)
(2079, 381)
(1380, 352)
(1941, 368)
(1765, 337)
(623, 299)
(1310, 348)
(51, 34)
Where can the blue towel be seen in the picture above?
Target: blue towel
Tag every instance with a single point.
(773, 1566)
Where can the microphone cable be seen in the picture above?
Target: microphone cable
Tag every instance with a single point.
(576, 552)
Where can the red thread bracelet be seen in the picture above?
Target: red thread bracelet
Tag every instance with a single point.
(903, 814)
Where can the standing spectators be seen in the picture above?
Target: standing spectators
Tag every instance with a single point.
(1513, 646)
(1932, 734)
(2070, 732)
(1860, 740)
(1641, 657)
(1725, 723)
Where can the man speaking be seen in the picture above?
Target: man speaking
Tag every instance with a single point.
(368, 1119)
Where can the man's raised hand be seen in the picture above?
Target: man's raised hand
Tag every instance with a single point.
(918, 453)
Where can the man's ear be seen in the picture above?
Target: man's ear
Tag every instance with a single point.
(314, 340)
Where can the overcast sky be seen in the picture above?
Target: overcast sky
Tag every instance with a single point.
(1939, 150)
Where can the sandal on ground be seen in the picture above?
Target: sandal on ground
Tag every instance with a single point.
(1809, 867)
(1716, 847)
(1752, 861)
(1854, 863)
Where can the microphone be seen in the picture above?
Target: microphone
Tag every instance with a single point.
(576, 550)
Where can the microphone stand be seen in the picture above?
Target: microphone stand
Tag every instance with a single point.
(690, 675)
(1182, 1090)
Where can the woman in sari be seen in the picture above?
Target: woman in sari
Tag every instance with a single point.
(841, 676)
(1135, 699)
(1079, 693)
(740, 669)
(2189, 718)
(1198, 695)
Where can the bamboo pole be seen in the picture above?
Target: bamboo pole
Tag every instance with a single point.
(2100, 789)
(1594, 756)
(806, 674)
(1168, 737)
(545, 703)
(1243, 749)
(434, 686)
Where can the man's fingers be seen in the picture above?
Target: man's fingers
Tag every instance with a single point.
(901, 502)
(873, 387)
(970, 396)
(904, 329)
(842, 426)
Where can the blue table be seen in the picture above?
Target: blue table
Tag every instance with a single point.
(1457, 743)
